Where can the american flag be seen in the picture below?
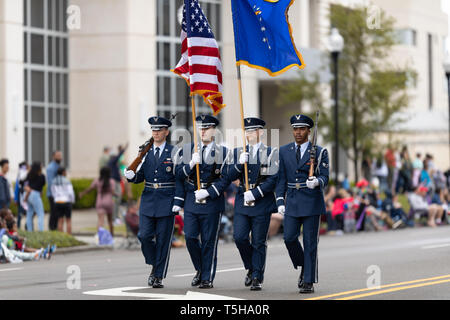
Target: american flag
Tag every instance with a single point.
(200, 63)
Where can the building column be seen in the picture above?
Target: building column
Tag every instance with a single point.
(112, 82)
(11, 79)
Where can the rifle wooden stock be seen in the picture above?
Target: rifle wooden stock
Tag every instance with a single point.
(312, 160)
(142, 152)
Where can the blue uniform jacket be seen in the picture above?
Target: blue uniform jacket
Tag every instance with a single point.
(265, 170)
(158, 202)
(214, 164)
(301, 201)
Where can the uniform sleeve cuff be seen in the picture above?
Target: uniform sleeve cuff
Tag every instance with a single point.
(280, 201)
(213, 192)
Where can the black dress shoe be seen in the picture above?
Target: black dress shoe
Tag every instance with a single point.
(196, 280)
(248, 278)
(151, 278)
(300, 280)
(158, 283)
(307, 288)
(205, 284)
(256, 285)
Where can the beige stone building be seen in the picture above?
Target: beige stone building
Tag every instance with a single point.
(423, 30)
(95, 83)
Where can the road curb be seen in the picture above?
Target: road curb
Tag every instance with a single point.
(92, 234)
(89, 247)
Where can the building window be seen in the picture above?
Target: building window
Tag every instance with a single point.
(172, 91)
(406, 37)
(46, 77)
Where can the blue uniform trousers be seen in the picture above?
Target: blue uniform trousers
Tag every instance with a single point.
(307, 258)
(202, 234)
(253, 253)
(155, 235)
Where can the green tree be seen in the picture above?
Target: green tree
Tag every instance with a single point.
(372, 91)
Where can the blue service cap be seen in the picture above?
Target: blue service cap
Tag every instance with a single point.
(254, 123)
(157, 123)
(206, 121)
(300, 120)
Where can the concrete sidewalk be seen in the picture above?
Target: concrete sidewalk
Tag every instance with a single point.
(81, 220)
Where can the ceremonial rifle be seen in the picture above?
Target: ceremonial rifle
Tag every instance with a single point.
(312, 155)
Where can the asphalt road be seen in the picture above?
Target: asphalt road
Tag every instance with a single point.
(409, 263)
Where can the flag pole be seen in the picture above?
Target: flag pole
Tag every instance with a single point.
(242, 124)
(197, 167)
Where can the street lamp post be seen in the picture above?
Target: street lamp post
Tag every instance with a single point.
(336, 45)
(447, 73)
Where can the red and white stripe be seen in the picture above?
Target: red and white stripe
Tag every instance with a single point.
(200, 65)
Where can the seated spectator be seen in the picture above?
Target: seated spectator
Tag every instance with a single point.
(337, 211)
(419, 206)
(64, 197)
(370, 206)
(392, 206)
(437, 198)
(15, 241)
(8, 247)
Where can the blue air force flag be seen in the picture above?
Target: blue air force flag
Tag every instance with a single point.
(263, 35)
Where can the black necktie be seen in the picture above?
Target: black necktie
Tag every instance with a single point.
(203, 152)
(298, 154)
(157, 153)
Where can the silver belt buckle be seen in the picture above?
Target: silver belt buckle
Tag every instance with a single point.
(297, 186)
(203, 201)
(156, 185)
(249, 203)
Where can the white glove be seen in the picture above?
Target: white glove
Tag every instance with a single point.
(195, 160)
(243, 158)
(201, 194)
(312, 182)
(248, 196)
(176, 209)
(129, 174)
(281, 210)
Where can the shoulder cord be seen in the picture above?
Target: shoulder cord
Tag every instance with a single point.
(319, 160)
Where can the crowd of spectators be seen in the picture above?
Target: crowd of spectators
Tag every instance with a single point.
(395, 192)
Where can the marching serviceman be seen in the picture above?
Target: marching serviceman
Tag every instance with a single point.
(300, 198)
(162, 198)
(204, 206)
(253, 208)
